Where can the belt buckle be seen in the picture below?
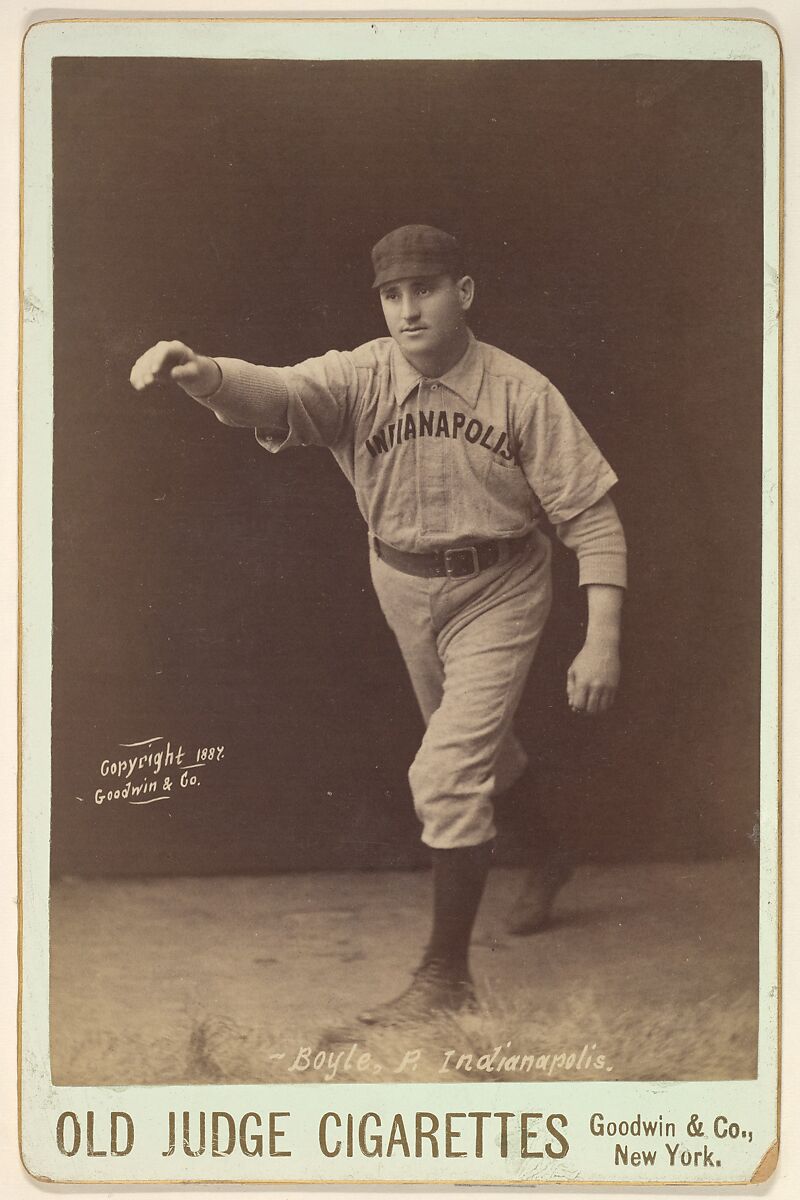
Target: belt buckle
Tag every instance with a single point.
(452, 571)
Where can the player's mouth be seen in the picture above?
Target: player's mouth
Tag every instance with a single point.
(414, 329)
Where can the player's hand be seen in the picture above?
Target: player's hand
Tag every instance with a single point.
(593, 678)
(196, 374)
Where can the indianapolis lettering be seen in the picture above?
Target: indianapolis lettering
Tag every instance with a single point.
(440, 424)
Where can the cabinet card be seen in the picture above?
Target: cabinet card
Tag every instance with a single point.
(239, 762)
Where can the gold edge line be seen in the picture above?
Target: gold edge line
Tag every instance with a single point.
(20, 323)
(375, 20)
(781, 252)
(384, 1184)
(20, 312)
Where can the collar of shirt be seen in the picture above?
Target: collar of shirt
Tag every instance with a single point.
(464, 378)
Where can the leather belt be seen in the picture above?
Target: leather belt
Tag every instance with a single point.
(458, 562)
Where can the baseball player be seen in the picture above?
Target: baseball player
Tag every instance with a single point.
(458, 454)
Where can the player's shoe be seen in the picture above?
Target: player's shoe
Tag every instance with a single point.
(533, 907)
(434, 991)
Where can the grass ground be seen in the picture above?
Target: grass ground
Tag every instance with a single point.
(649, 971)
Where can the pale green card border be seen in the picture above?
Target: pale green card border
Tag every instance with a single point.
(751, 1102)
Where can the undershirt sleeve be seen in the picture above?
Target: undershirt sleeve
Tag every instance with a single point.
(248, 395)
(597, 538)
(305, 405)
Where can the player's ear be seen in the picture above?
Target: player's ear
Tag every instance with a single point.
(466, 291)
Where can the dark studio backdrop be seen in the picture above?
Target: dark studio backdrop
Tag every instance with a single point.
(209, 593)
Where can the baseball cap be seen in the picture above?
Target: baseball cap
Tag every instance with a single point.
(415, 250)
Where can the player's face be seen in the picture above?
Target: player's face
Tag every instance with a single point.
(427, 315)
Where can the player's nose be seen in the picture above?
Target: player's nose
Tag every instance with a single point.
(409, 307)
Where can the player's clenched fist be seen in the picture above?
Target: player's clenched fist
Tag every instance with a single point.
(196, 374)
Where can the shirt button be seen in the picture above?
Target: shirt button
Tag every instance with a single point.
(434, 387)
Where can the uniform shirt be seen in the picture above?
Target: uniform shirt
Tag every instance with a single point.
(488, 450)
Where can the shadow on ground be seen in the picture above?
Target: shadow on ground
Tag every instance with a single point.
(648, 972)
